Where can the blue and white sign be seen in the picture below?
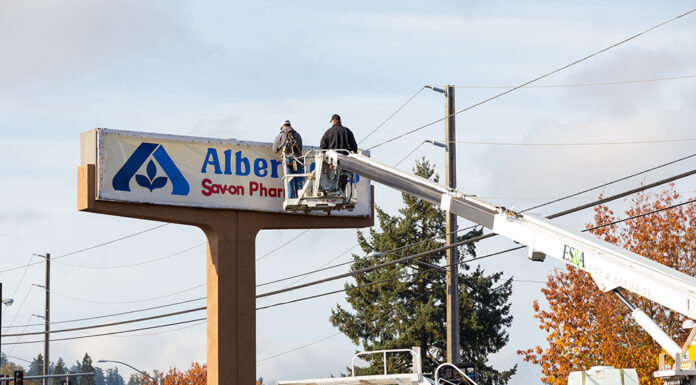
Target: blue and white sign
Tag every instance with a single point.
(192, 171)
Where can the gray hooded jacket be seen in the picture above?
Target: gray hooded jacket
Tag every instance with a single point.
(281, 138)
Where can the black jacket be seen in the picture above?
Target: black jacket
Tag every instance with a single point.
(338, 138)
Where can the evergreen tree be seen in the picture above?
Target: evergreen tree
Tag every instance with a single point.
(87, 367)
(76, 368)
(99, 378)
(35, 368)
(113, 378)
(135, 379)
(60, 368)
(409, 309)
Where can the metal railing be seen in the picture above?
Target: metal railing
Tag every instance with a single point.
(437, 374)
(415, 357)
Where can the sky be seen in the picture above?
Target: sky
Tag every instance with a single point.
(238, 69)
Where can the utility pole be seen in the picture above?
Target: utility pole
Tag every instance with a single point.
(451, 228)
(1, 303)
(47, 319)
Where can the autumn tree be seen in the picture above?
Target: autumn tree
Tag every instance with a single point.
(197, 374)
(587, 327)
(406, 305)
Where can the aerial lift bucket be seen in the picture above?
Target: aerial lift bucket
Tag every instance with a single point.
(321, 186)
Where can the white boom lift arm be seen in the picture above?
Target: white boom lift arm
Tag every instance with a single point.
(610, 266)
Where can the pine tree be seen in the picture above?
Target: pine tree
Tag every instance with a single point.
(87, 368)
(409, 309)
(60, 368)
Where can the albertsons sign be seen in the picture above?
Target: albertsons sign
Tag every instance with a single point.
(191, 171)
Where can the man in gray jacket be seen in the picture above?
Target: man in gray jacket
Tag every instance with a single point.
(289, 143)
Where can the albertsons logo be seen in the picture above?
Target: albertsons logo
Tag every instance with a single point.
(150, 180)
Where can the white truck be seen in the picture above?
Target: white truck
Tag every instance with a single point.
(611, 267)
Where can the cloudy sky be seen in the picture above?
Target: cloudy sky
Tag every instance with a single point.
(237, 69)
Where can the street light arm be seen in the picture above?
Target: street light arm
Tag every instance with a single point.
(437, 89)
(136, 369)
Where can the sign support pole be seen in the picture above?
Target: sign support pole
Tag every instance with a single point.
(231, 270)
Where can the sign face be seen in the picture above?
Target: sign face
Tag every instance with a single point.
(191, 171)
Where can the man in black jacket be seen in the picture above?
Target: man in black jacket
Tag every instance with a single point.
(338, 137)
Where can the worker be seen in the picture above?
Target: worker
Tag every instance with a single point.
(289, 143)
(339, 137)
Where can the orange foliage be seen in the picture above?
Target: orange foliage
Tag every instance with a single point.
(197, 374)
(587, 327)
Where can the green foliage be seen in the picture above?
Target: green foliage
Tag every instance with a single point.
(60, 368)
(409, 308)
(87, 368)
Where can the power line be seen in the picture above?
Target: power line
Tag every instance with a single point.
(107, 324)
(623, 194)
(287, 302)
(298, 348)
(20, 308)
(25, 328)
(536, 79)
(613, 181)
(89, 248)
(519, 144)
(641, 215)
(523, 211)
(125, 302)
(132, 264)
(591, 84)
(410, 153)
(471, 240)
(106, 334)
(392, 115)
(114, 314)
(165, 331)
(467, 261)
(281, 246)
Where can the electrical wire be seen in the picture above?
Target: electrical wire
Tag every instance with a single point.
(287, 302)
(297, 348)
(90, 247)
(523, 211)
(132, 264)
(281, 246)
(106, 334)
(536, 79)
(466, 261)
(325, 338)
(115, 314)
(25, 328)
(489, 235)
(392, 115)
(107, 324)
(14, 294)
(163, 332)
(572, 144)
(641, 215)
(471, 240)
(24, 300)
(126, 302)
(410, 153)
(590, 84)
(613, 182)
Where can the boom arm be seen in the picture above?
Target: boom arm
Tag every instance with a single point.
(611, 267)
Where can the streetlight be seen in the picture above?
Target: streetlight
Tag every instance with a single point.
(137, 370)
(6, 302)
